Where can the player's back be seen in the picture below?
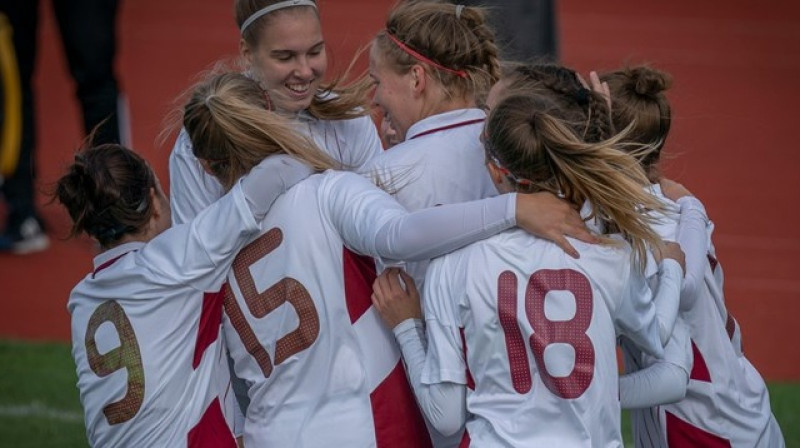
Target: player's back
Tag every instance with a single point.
(146, 334)
(442, 161)
(727, 401)
(147, 353)
(323, 370)
(540, 331)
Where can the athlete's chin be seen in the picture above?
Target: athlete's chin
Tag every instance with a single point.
(296, 104)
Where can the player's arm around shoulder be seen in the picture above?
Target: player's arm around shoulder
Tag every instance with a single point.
(191, 188)
(360, 140)
(203, 249)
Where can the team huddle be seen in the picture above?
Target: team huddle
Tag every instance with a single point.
(463, 275)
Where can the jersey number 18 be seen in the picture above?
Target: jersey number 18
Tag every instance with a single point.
(546, 331)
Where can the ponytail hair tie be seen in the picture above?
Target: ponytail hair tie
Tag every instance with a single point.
(459, 9)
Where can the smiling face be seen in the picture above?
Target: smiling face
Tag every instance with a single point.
(394, 94)
(289, 57)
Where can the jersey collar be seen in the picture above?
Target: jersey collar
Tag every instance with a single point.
(108, 257)
(447, 120)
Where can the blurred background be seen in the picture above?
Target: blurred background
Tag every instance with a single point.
(735, 107)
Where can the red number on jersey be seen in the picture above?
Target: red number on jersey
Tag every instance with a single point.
(127, 356)
(546, 331)
(287, 290)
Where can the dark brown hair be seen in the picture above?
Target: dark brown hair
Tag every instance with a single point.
(639, 102)
(106, 192)
(585, 110)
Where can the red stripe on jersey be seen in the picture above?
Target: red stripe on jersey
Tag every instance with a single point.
(212, 430)
(681, 434)
(465, 440)
(210, 320)
(448, 127)
(359, 274)
(713, 262)
(397, 418)
(699, 369)
(470, 380)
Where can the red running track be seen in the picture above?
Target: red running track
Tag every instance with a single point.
(735, 101)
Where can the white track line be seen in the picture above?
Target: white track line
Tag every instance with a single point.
(40, 410)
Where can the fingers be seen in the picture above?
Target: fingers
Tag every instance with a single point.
(600, 87)
(582, 81)
(410, 286)
(564, 244)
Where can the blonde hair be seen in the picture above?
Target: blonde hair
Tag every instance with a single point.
(231, 128)
(527, 136)
(460, 42)
(335, 100)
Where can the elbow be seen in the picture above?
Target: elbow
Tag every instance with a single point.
(448, 428)
(677, 386)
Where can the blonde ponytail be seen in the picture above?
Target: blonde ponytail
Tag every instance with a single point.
(232, 129)
(534, 144)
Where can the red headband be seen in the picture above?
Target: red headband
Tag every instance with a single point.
(421, 58)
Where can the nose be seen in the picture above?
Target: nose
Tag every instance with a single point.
(303, 69)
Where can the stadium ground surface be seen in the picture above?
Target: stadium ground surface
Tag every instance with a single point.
(735, 100)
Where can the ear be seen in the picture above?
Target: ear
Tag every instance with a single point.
(157, 207)
(419, 79)
(498, 178)
(245, 51)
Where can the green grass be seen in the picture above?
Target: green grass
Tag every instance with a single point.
(39, 405)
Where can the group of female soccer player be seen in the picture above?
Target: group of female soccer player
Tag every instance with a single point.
(468, 286)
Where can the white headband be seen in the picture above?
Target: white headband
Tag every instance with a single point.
(280, 5)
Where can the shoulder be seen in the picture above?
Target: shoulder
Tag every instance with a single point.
(183, 145)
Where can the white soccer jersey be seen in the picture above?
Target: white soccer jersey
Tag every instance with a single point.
(727, 403)
(648, 429)
(539, 332)
(353, 143)
(300, 326)
(442, 161)
(146, 334)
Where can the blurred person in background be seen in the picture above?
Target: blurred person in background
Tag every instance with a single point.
(526, 29)
(88, 33)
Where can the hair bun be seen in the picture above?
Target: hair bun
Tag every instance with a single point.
(647, 81)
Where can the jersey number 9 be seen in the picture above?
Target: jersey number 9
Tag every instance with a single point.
(126, 356)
